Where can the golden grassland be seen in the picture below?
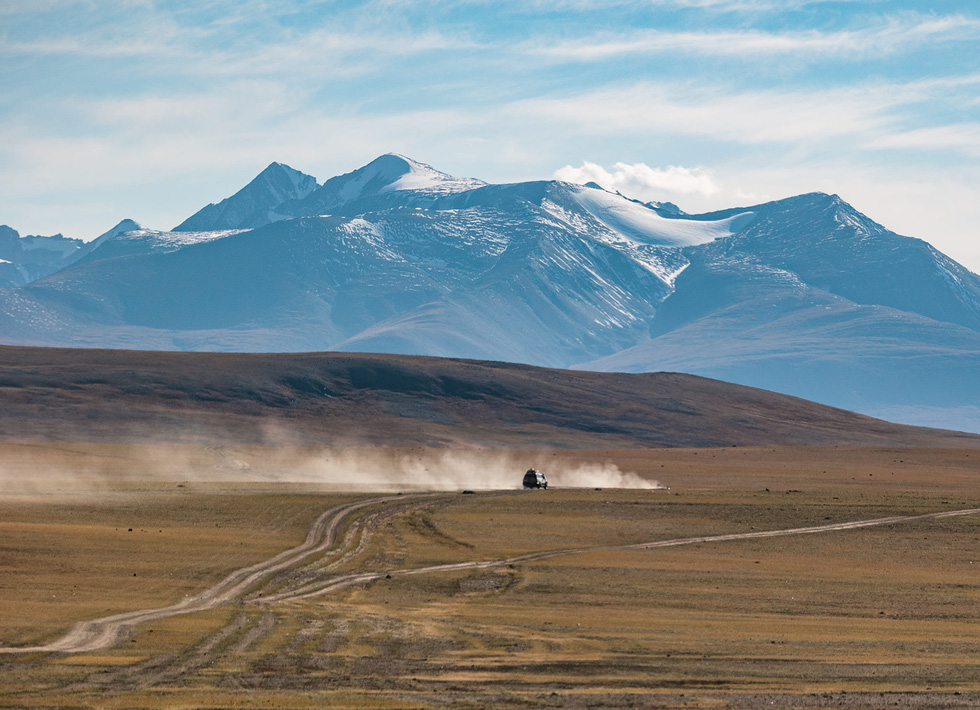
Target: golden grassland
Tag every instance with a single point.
(869, 618)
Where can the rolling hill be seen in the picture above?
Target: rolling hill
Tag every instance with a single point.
(51, 394)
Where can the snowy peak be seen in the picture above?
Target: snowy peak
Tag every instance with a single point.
(849, 218)
(126, 225)
(391, 172)
(255, 205)
(822, 208)
(409, 174)
(388, 169)
(129, 238)
(11, 240)
(396, 178)
(14, 247)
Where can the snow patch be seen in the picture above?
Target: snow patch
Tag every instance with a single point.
(426, 178)
(372, 234)
(391, 173)
(171, 241)
(664, 262)
(639, 223)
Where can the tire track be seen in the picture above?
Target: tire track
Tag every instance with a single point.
(168, 668)
(110, 630)
(343, 581)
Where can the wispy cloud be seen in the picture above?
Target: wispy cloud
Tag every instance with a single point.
(892, 36)
(958, 136)
(200, 51)
(874, 114)
(335, 54)
(119, 29)
(753, 116)
(92, 47)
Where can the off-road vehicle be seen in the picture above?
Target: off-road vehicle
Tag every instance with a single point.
(535, 479)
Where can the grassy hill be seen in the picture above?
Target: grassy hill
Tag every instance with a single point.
(51, 394)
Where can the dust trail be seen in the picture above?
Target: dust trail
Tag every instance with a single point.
(50, 471)
(601, 476)
(451, 470)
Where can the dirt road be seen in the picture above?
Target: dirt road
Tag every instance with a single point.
(110, 630)
(342, 581)
(241, 586)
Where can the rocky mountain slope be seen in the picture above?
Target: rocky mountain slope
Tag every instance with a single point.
(28, 258)
(255, 204)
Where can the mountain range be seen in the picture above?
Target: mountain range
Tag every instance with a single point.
(805, 295)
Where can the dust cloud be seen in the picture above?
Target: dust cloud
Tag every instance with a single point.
(451, 470)
(93, 469)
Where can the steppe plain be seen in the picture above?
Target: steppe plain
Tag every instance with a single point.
(866, 617)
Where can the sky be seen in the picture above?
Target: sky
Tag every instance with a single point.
(113, 109)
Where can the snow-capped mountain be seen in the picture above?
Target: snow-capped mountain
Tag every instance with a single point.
(804, 295)
(385, 183)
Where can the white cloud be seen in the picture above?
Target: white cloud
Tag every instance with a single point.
(753, 117)
(640, 180)
(960, 136)
(328, 55)
(888, 37)
(857, 117)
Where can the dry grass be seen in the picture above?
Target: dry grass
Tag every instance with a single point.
(136, 548)
(863, 618)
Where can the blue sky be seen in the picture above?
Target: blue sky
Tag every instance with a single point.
(149, 110)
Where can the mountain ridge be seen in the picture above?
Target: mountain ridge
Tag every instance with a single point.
(255, 204)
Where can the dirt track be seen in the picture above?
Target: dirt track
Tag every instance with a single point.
(347, 580)
(108, 631)
(241, 585)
